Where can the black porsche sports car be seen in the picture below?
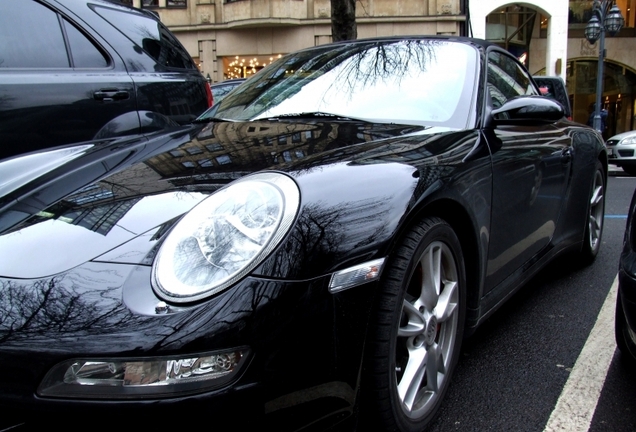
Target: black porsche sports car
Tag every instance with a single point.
(309, 254)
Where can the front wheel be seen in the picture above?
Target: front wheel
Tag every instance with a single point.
(596, 213)
(417, 330)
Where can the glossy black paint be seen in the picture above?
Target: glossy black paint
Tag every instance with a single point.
(516, 194)
(45, 104)
(626, 300)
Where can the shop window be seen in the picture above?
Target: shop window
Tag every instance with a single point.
(243, 67)
(150, 3)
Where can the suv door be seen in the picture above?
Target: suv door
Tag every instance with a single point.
(59, 85)
(166, 78)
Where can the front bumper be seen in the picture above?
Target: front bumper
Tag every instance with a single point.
(621, 154)
(305, 345)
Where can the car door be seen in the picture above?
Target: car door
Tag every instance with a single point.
(59, 86)
(166, 78)
(531, 163)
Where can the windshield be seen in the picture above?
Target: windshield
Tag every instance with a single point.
(424, 82)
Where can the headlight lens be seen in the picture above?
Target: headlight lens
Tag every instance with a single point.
(225, 236)
(629, 140)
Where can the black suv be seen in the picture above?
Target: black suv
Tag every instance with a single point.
(75, 70)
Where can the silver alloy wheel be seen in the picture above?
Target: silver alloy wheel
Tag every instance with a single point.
(597, 209)
(428, 330)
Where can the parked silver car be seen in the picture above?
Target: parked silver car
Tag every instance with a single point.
(621, 151)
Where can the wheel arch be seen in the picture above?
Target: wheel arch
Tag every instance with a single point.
(459, 218)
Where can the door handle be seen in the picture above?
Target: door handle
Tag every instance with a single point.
(110, 95)
(566, 155)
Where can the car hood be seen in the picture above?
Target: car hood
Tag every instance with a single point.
(622, 135)
(95, 198)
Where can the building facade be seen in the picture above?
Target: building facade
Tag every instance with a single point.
(235, 38)
(549, 35)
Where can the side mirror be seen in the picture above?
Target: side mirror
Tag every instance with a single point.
(524, 110)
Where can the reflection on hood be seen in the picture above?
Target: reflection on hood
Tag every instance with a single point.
(113, 193)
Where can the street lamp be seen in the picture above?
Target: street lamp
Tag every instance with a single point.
(605, 17)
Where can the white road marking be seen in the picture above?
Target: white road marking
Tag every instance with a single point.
(575, 407)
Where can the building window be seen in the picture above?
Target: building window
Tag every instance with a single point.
(223, 160)
(214, 147)
(150, 3)
(177, 3)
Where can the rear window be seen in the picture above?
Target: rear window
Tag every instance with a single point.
(150, 35)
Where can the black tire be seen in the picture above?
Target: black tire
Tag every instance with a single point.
(411, 334)
(624, 342)
(596, 215)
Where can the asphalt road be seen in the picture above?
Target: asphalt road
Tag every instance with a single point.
(513, 370)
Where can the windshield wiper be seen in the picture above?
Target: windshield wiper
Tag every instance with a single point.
(314, 115)
(211, 119)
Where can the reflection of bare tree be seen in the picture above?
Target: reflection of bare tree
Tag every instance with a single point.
(384, 62)
(323, 232)
(48, 308)
(357, 68)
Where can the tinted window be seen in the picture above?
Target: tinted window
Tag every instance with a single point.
(405, 81)
(30, 36)
(155, 39)
(83, 52)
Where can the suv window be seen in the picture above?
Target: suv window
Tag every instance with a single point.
(31, 37)
(149, 34)
(83, 53)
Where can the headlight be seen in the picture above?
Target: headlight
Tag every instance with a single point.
(225, 236)
(138, 378)
(629, 140)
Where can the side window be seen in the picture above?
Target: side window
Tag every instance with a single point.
(30, 36)
(83, 52)
(148, 33)
(506, 79)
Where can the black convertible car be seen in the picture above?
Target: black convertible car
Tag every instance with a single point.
(309, 253)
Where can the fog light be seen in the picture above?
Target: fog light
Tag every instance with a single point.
(139, 378)
(357, 275)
